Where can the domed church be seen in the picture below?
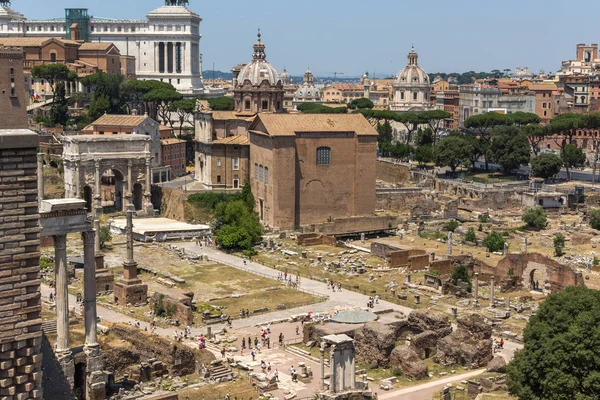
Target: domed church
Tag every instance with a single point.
(411, 87)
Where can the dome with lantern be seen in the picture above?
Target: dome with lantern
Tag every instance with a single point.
(307, 91)
(259, 69)
(286, 79)
(411, 87)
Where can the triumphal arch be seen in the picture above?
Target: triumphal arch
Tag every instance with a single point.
(110, 170)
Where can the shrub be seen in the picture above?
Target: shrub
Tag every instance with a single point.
(159, 308)
(485, 218)
(494, 242)
(105, 236)
(535, 217)
(470, 236)
(480, 228)
(451, 225)
(460, 273)
(559, 244)
(594, 216)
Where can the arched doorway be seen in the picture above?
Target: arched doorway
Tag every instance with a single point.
(86, 194)
(137, 196)
(534, 283)
(111, 188)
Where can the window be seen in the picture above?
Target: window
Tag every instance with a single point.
(247, 105)
(218, 178)
(256, 172)
(401, 95)
(218, 162)
(261, 174)
(323, 155)
(265, 104)
(414, 95)
(266, 176)
(543, 105)
(236, 163)
(545, 113)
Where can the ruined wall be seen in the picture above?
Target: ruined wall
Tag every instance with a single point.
(357, 224)
(20, 307)
(182, 307)
(382, 250)
(392, 173)
(404, 200)
(445, 267)
(418, 262)
(314, 239)
(402, 258)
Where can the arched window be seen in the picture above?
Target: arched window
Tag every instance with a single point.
(323, 155)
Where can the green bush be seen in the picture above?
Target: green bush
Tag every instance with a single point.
(494, 242)
(480, 228)
(485, 218)
(460, 273)
(535, 217)
(559, 244)
(594, 216)
(159, 308)
(470, 235)
(596, 261)
(105, 236)
(451, 225)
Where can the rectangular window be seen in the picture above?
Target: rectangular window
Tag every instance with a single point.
(247, 105)
(414, 95)
(543, 105)
(266, 176)
(265, 104)
(218, 178)
(256, 172)
(261, 175)
(323, 156)
(218, 162)
(236, 163)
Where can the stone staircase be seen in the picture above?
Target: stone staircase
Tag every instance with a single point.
(49, 327)
(220, 372)
(304, 354)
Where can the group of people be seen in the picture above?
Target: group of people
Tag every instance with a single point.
(289, 279)
(498, 345)
(244, 313)
(372, 301)
(332, 285)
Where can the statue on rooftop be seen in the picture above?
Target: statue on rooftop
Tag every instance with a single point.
(174, 2)
(5, 3)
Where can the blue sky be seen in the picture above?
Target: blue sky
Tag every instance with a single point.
(353, 36)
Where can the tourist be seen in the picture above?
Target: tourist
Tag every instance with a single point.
(244, 260)
(297, 329)
(51, 297)
(276, 375)
(268, 327)
(258, 347)
(255, 341)
(377, 299)
(501, 343)
(269, 368)
(253, 353)
(223, 352)
(281, 339)
(243, 343)
(339, 287)
(263, 366)
(227, 397)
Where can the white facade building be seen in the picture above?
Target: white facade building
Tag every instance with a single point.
(166, 45)
(411, 87)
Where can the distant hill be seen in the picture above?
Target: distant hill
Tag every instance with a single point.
(210, 74)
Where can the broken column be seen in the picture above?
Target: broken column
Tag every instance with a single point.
(505, 248)
(148, 193)
(96, 378)
(130, 290)
(492, 287)
(341, 363)
(408, 278)
(322, 351)
(524, 248)
(61, 285)
(476, 290)
(449, 244)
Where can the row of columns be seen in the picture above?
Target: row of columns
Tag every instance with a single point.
(166, 56)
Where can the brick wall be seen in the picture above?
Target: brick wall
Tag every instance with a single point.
(13, 99)
(20, 307)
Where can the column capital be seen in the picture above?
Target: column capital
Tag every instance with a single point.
(40, 157)
(88, 236)
(97, 164)
(129, 163)
(60, 242)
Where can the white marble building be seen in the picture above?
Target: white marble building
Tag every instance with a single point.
(411, 87)
(166, 45)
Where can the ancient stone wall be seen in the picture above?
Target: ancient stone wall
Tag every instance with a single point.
(382, 250)
(418, 263)
(392, 173)
(314, 239)
(20, 307)
(182, 310)
(445, 267)
(404, 201)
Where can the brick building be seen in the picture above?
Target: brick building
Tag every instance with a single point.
(173, 155)
(545, 106)
(13, 99)
(20, 322)
(310, 169)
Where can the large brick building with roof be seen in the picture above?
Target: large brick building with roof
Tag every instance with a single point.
(312, 168)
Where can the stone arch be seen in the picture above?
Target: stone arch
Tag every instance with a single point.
(138, 196)
(112, 190)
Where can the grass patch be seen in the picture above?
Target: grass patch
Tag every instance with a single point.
(241, 388)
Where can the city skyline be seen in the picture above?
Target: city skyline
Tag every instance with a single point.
(322, 37)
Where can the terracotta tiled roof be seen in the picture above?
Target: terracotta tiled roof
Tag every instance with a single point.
(31, 41)
(224, 115)
(237, 139)
(171, 141)
(542, 86)
(164, 128)
(346, 87)
(290, 124)
(120, 120)
(95, 46)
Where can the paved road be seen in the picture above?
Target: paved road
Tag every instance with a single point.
(427, 390)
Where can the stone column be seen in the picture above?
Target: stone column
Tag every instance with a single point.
(97, 189)
(449, 244)
(492, 287)
(40, 176)
(148, 193)
(476, 289)
(505, 248)
(127, 204)
(89, 288)
(408, 278)
(332, 370)
(322, 351)
(524, 248)
(63, 351)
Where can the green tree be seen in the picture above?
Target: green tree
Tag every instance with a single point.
(594, 217)
(521, 118)
(483, 125)
(105, 236)
(451, 225)
(222, 104)
(106, 97)
(99, 106)
(546, 165)
(53, 73)
(494, 242)
(573, 157)
(401, 151)
(470, 236)
(435, 119)
(559, 244)
(564, 128)
(236, 226)
(452, 151)
(185, 112)
(424, 154)
(460, 273)
(59, 112)
(314, 108)
(560, 359)
(384, 140)
(509, 148)
(361, 103)
(424, 137)
(535, 134)
(535, 217)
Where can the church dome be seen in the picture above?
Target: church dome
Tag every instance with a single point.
(285, 77)
(412, 74)
(259, 69)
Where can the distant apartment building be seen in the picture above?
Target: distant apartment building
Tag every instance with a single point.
(448, 100)
(586, 61)
(339, 93)
(476, 99)
(545, 106)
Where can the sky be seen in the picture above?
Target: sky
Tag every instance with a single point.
(355, 36)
